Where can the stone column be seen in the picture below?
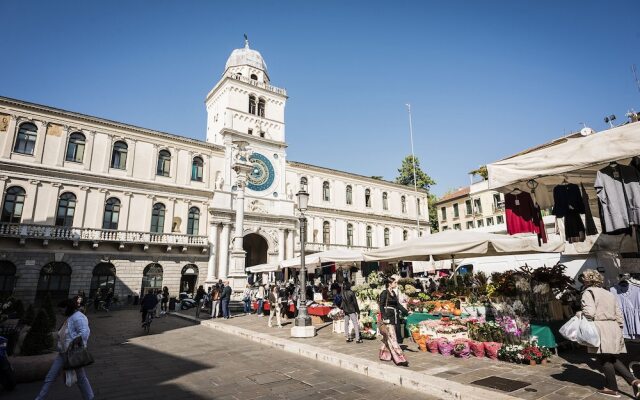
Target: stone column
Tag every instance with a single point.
(223, 267)
(88, 150)
(62, 155)
(131, 155)
(170, 210)
(37, 184)
(290, 243)
(281, 247)
(128, 196)
(213, 253)
(85, 198)
(40, 144)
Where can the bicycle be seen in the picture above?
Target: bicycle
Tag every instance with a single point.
(146, 325)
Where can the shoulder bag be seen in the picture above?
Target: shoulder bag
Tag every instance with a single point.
(77, 355)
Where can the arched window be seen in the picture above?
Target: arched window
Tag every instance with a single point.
(197, 166)
(254, 77)
(193, 224)
(369, 236)
(349, 195)
(349, 235)
(111, 214)
(151, 278)
(164, 163)
(7, 278)
(26, 140)
(385, 201)
(103, 279)
(55, 279)
(252, 105)
(326, 235)
(386, 236)
(405, 235)
(403, 202)
(66, 209)
(367, 198)
(418, 206)
(75, 147)
(119, 155)
(261, 106)
(157, 218)
(325, 191)
(13, 205)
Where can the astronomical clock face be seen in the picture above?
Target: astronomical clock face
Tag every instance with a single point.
(262, 176)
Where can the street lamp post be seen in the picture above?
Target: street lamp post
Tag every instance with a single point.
(302, 326)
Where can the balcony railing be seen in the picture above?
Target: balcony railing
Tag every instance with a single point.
(48, 232)
(261, 85)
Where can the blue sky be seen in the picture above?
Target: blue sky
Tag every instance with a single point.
(485, 79)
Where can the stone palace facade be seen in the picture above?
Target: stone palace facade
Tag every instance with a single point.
(90, 203)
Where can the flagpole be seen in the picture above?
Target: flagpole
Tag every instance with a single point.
(413, 160)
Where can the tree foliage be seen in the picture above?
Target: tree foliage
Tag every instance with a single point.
(481, 171)
(423, 181)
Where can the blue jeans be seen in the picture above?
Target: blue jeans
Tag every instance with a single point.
(260, 307)
(54, 371)
(247, 306)
(225, 308)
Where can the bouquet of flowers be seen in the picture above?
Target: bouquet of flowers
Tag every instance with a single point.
(432, 346)
(532, 353)
(477, 348)
(336, 314)
(511, 353)
(368, 333)
(461, 349)
(366, 321)
(445, 347)
(491, 349)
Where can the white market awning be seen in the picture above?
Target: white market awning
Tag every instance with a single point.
(263, 268)
(338, 256)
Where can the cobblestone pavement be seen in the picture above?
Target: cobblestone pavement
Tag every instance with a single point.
(573, 375)
(181, 360)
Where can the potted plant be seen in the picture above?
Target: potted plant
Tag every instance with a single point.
(532, 355)
(546, 354)
(461, 349)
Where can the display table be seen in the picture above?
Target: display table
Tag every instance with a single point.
(416, 318)
(319, 314)
(545, 331)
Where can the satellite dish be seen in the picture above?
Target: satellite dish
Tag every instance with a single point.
(586, 131)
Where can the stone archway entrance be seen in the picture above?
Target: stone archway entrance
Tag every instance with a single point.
(256, 247)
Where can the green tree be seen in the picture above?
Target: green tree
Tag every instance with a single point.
(481, 171)
(423, 181)
(38, 339)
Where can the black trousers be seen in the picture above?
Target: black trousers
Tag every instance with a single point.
(610, 365)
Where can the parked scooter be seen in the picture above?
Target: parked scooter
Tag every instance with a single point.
(186, 302)
(7, 377)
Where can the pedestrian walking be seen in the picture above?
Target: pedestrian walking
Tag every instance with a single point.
(274, 306)
(260, 298)
(215, 300)
(351, 311)
(225, 298)
(165, 300)
(75, 325)
(391, 309)
(199, 299)
(157, 311)
(601, 307)
(246, 299)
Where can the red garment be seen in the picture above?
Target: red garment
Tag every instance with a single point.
(523, 216)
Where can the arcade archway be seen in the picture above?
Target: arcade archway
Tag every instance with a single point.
(256, 247)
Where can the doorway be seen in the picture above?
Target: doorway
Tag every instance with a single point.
(256, 247)
(189, 278)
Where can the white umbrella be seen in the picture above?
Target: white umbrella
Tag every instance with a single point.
(444, 245)
(338, 256)
(263, 268)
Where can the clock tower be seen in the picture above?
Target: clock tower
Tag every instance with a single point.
(245, 115)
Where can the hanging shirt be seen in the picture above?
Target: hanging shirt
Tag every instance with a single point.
(568, 204)
(618, 190)
(588, 215)
(628, 297)
(523, 216)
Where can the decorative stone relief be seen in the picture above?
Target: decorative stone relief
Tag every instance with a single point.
(257, 206)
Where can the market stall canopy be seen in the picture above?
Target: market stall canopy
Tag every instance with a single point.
(263, 268)
(443, 245)
(338, 256)
(575, 159)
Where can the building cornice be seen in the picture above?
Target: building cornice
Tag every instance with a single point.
(226, 78)
(252, 138)
(60, 113)
(374, 218)
(81, 178)
(325, 170)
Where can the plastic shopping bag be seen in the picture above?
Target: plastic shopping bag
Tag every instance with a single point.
(588, 334)
(571, 328)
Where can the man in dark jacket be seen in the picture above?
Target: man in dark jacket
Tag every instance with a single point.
(225, 298)
(351, 312)
(149, 302)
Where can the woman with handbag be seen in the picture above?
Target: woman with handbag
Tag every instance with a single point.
(601, 307)
(391, 309)
(76, 326)
(246, 299)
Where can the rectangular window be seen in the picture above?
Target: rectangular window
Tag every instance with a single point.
(456, 212)
(477, 204)
(480, 223)
(490, 221)
(468, 207)
(443, 210)
(444, 227)
(456, 227)
(499, 219)
(469, 224)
